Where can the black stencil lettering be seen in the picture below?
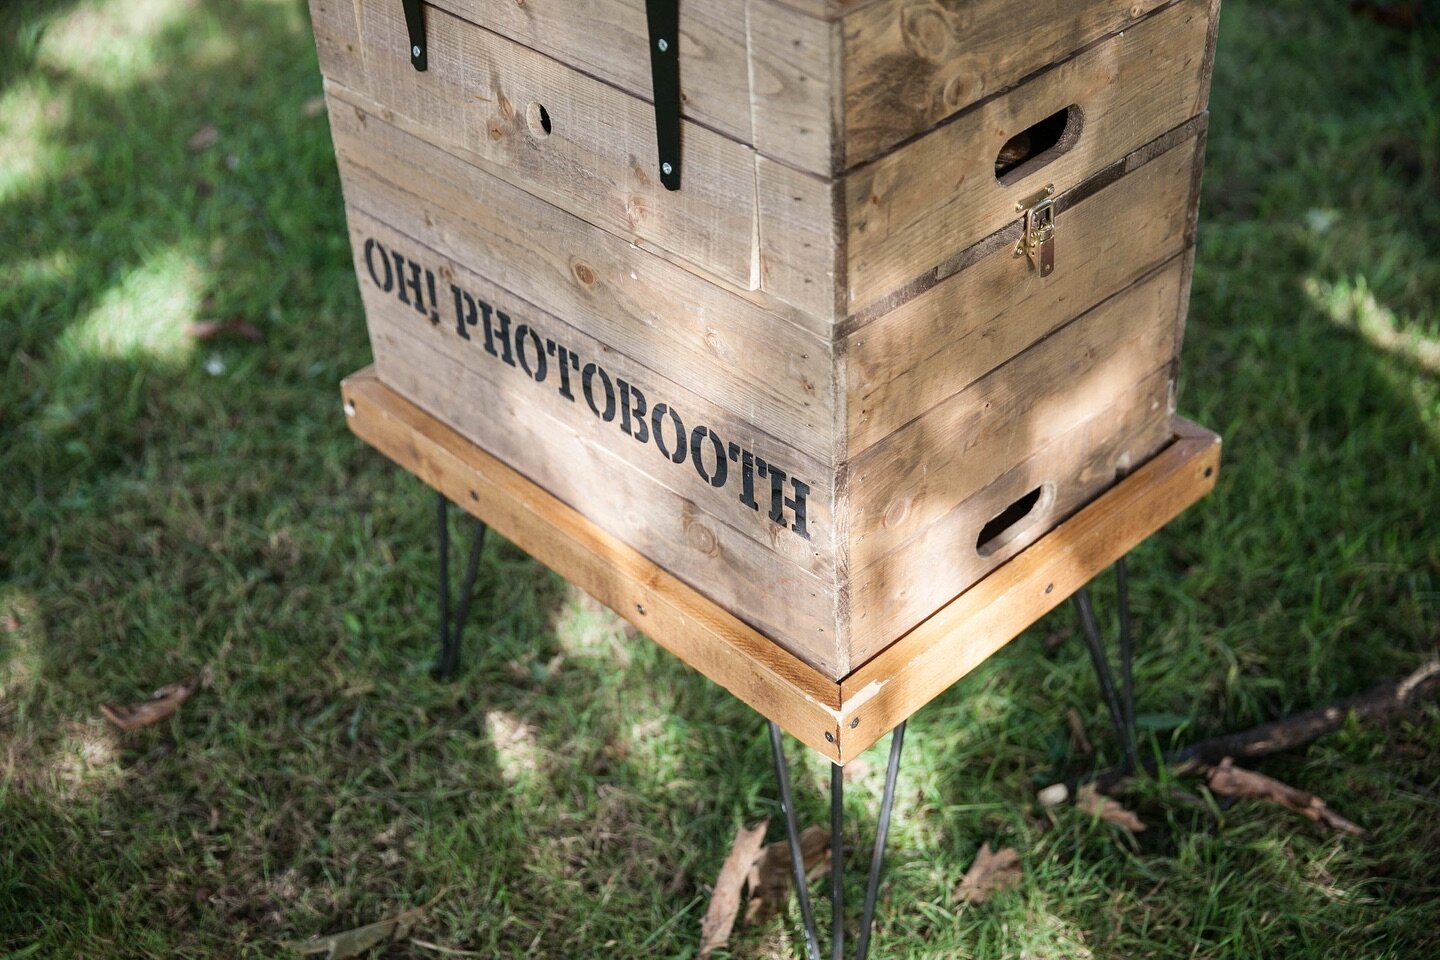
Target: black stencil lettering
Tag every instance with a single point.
(464, 312)
(371, 246)
(777, 490)
(797, 506)
(657, 422)
(524, 335)
(587, 379)
(716, 477)
(632, 403)
(434, 300)
(411, 283)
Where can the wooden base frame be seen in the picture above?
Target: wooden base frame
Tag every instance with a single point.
(838, 719)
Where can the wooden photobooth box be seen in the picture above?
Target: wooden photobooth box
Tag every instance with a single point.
(831, 342)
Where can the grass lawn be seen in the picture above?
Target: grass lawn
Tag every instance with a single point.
(170, 504)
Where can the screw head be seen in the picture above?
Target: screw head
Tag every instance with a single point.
(666, 169)
(415, 50)
(663, 44)
(829, 737)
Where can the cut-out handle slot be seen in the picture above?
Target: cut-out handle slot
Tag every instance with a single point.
(1009, 523)
(1037, 145)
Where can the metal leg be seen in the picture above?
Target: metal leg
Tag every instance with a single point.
(837, 849)
(1122, 706)
(448, 659)
(837, 861)
(882, 832)
(792, 833)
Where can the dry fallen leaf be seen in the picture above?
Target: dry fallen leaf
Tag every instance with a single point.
(1088, 800)
(313, 107)
(206, 136)
(719, 918)
(992, 871)
(1078, 738)
(353, 943)
(770, 876)
(162, 704)
(1229, 780)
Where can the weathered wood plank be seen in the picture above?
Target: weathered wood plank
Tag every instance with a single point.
(795, 64)
(590, 152)
(742, 357)
(900, 589)
(698, 631)
(909, 64)
(919, 205)
(921, 472)
(609, 39)
(906, 361)
(893, 685)
(531, 369)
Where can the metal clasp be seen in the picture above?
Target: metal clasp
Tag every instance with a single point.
(1037, 243)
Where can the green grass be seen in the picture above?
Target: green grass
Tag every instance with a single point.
(168, 505)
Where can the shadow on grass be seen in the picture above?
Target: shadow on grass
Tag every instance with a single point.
(171, 503)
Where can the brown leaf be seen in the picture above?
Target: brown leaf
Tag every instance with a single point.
(162, 704)
(719, 919)
(1089, 800)
(313, 106)
(1078, 739)
(207, 136)
(353, 943)
(1229, 780)
(992, 871)
(770, 876)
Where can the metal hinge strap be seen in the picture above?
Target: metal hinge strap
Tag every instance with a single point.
(415, 26)
(664, 20)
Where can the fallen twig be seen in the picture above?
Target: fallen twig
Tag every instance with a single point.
(1229, 780)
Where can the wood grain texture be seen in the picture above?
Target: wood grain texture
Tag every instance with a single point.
(903, 587)
(782, 584)
(698, 631)
(910, 64)
(921, 472)
(795, 68)
(920, 204)
(481, 97)
(742, 357)
(932, 346)
(609, 39)
(919, 666)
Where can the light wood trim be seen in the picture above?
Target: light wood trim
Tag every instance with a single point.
(963, 634)
(775, 683)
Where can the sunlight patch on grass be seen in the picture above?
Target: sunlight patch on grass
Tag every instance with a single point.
(146, 313)
(1351, 305)
(27, 115)
(514, 742)
(111, 43)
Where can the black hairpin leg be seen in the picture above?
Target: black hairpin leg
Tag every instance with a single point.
(448, 660)
(837, 849)
(1121, 707)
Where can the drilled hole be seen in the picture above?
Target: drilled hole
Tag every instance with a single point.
(537, 118)
(1037, 145)
(1006, 525)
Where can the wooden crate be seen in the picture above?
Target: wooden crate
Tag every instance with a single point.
(815, 382)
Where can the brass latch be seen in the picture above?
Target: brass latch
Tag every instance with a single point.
(1038, 241)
